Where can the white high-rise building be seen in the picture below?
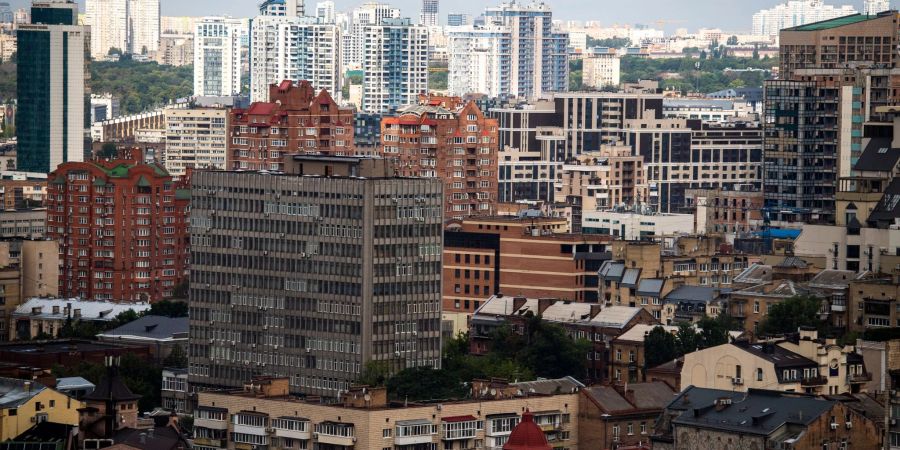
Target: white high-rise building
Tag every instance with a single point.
(293, 48)
(108, 20)
(477, 59)
(353, 40)
(217, 56)
(602, 68)
(873, 7)
(430, 11)
(131, 26)
(769, 22)
(325, 11)
(143, 26)
(395, 65)
(295, 8)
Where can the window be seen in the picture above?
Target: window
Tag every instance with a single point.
(386, 433)
(630, 429)
(759, 374)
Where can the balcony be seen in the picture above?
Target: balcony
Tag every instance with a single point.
(414, 432)
(208, 442)
(864, 377)
(838, 307)
(211, 424)
(291, 428)
(333, 433)
(814, 381)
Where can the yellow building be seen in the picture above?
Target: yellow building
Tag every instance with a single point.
(24, 403)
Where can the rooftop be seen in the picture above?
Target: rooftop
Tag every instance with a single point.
(151, 328)
(878, 156)
(777, 355)
(705, 294)
(59, 346)
(832, 23)
(58, 308)
(641, 396)
(639, 331)
(15, 392)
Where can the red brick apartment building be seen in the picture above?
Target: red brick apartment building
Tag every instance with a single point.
(447, 138)
(122, 229)
(526, 257)
(295, 120)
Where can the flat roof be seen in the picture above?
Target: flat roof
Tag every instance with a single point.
(833, 23)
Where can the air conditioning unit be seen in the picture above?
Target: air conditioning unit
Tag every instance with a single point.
(834, 426)
(737, 381)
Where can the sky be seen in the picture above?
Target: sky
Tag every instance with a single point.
(730, 15)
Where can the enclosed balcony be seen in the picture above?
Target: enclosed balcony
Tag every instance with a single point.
(336, 433)
(413, 432)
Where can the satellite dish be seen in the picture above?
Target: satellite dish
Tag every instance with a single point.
(367, 397)
(493, 392)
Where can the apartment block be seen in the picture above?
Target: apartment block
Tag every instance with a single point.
(478, 60)
(451, 140)
(622, 416)
(313, 273)
(395, 63)
(736, 210)
(121, 225)
(628, 355)
(290, 47)
(528, 256)
(873, 304)
(296, 119)
(23, 223)
(262, 414)
(217, 56)
(353, 38)
(602, 68)
(601, 180)
(196, 138)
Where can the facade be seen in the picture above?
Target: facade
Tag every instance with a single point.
(289, 8)
(628, 354)
(873, 7)
(618, 416)
(478, 60)
(458, 19)
(701, 418)
(217, 56)
(129, 26)
(46, 316)
(143, 26)
(325, 11)
(29, 402)
(363, 419)
(177, 50)
(25, 223)
(353, 38)
(395, 65)
(352, 273)
(873, 304)
(122, 229)
(174, 392)
(196, 138)
(769, 22)
(602, 68)
(296, 119)
(726, 211)
(636, 226)
(610, 178)
(430, 10)
(52, 115)
(293, 48)
(451, 140)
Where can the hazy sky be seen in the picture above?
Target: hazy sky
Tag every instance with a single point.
(731, 15)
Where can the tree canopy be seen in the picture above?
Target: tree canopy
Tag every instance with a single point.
(703, 75)
(168, 308)
(141, 86)
(791, 314)
(143, 379)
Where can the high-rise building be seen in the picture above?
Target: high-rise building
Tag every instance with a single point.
(108, 20)
(768, 22)
(130, 26)
(325, 11)
(196, 139)
(458, 19)
(601, 68)
(872, 7)
(452, 140)
(6, 13)
(292, 8)
(353, 37)
(430, 10)
(122, 229)
(296, 119)
(395, 66)
(479, 60)
(516, 49)
(293, 48)
(217, 56)
(143, 26)
(314, 273)
(52, 120)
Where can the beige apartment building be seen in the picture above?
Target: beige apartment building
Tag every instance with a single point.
(263, 414)
(604, 179)
(195, 139)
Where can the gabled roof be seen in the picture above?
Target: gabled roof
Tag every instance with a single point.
(615, 316)
(612, 270)
(778, 288)
(549, 387)
(15, 392)
(878, 156)
(639, 332)
(646, 396)
(111, 388)
(837, 279)
(779, 356)
(630, 278)
(755, 274)
(888, 209)
(564, 311)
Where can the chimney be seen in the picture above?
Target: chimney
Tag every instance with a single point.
(595, 309)
(544, 303)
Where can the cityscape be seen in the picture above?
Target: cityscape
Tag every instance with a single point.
(435, 225)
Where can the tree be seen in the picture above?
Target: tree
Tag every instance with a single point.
(425, 383)
(610, 42)
(660, 347)
(550, 352)
(686, 338)
(791, 314)
(108, 151)
(713, 332)
(375, 373)
(181, 290)
(177, 358)
(123, 318)
(168, 308)
(733, 40)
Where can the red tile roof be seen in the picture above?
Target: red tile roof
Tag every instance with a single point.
(261, 109)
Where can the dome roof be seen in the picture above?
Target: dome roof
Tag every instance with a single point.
(527, 436)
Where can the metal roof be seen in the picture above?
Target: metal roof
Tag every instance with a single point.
(832, 23)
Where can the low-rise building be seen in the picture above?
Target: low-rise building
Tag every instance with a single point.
(24, 403)
(873, 304)
(688, 303)
(701, 418)
(628, 355)
(750, 305)
(636, 225)
(27, 223)
(65, 352)
(46, 316)
(176, 396)
(263, 414)
(621, 415)
(158, 333)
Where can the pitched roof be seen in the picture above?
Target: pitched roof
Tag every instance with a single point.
(154, 328)
(651, 395)
(615, 316)
(777, 288)
(888, 208)
(630, 279)
(612, 270)
(111, 388)
(639, 331)
(832, 23)
(90, 309)
(650, 287)
(878, 156)
(15, 392)
(837, 279)
(705, 294)
(161, 438)
(779, 356)
(755, 274)
(549, 387)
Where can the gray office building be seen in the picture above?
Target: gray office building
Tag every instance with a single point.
(313, 273)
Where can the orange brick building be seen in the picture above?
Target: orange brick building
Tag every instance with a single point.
(122, 229)
(295, 120)
(529, 257)
(446, 138)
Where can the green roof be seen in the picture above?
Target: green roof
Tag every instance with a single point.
(833, 23)
(182, 194)
(121, 170)
(142, 181)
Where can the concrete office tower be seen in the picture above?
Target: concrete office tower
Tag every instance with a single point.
(217, 56)
(325, 11)
(52, 118)
(293, 8)
(143, 26)
(353, 41)
(293, 48)
(108, 20)
(538, 54)
(768, 22)
(873, 7)
(395, 66)
(478, 60)
(429, 16)
(314, 273)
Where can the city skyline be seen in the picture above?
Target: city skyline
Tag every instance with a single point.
(709, 15)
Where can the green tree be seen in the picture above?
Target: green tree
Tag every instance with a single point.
(661, 347)
(551, 353)
(177, 358)
(791, 314)
(686, 338)
(375, 373)
(168, 308)
(733, 40)
(123, 318)
(713, 332)
(108, 151)
(425, 383)
(610, 42)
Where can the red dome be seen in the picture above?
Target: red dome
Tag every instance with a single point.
(527, 436)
